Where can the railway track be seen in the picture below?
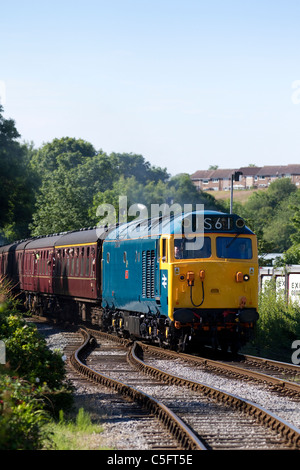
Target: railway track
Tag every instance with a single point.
(198, 416)
(281, 377)
(163, 429)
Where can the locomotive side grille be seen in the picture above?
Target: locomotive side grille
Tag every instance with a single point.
(152, 274)
(144, 273)
(148, 274)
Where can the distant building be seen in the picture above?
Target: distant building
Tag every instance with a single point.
(251, 177)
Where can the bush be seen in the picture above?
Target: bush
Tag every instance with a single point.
(21, 415)
(278, 325)
(27, 352)
(32, 382)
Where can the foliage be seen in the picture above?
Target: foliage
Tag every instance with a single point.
(178, 190)
(269, 213)
(296, 221)
(291, 256)
(65, 196)
(26, 350)
(31, 382)
(22, 417)
(71, 172)
(129, 164)
(278, 325)
(16, 184)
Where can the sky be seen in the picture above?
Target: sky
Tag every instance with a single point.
(185, 83)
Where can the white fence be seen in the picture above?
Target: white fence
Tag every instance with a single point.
(287, 280)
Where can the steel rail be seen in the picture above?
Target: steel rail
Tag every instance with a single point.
(184, 435)
(236, 371)
(272, 363)
(289, 432)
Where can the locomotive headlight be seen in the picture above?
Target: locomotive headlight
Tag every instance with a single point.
(240, 223)
(246, 277)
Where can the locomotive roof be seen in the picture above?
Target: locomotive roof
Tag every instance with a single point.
(141, 228)
(63, 239)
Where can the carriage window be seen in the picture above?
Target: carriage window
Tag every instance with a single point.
(191, 249)
(58, 262)
(47, 263)
(124, 256)
(77, 262)
(87, 266)
(234, 247)
(81, 261)
(108, 257)
(68, 266)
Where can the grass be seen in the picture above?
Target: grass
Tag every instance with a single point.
(241, 195)
(75, 434)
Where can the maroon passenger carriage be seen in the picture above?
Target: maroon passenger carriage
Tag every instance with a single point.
(58, 273)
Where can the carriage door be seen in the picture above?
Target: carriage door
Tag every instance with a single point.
(164, 260)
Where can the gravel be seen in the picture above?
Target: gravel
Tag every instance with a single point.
(121, 433)
(284, 407)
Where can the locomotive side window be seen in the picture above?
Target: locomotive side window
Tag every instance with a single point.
(234, 247)
(164, 251)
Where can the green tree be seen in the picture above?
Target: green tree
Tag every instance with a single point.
(128, 164)
(65, 151)
(178, 190)
(75, 179)
(16, 182)
(295, 219)
(67, 193)
(268, 214)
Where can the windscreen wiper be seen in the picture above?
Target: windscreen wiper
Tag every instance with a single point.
(233, 239)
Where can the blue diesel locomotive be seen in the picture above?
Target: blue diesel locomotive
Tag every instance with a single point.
(178, 290)
(178, 281)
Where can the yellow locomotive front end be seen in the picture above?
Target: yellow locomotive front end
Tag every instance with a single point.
(213, 284)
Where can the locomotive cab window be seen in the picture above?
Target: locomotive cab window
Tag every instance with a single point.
(192, 249)
(234, 247)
